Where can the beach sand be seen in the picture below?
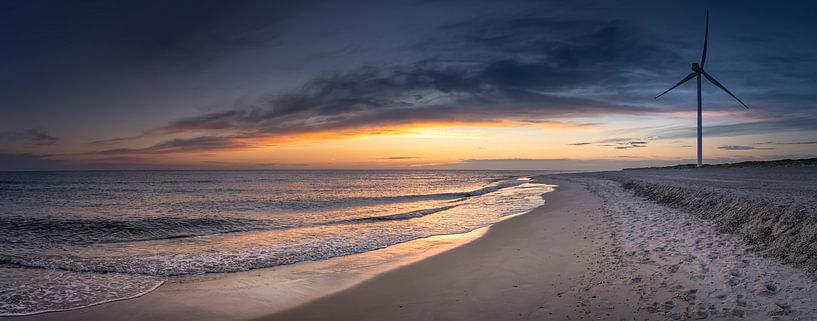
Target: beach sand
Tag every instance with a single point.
(594, 251)
(534, 266)
(605, 246)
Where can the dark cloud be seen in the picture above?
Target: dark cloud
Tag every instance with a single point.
(36, 136)
(772, 125)
(787, 143)
(401, 157)
(630, 146)
(621, 142)
(741, 147)
(114, 141)
(524, 78)
(41, 137)
(374, 97)
(136, 33)
(103, 59)
(180, 145)
(567, 48)
(613, 140)
(580, 144)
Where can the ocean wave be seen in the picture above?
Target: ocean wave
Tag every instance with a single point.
(20, 230)
(84, 231)
(260, 249)
(401, 216)
(327, 204)
(200, 263)
(100, 230)
(34, 291)
(431, 197)
(105, 236)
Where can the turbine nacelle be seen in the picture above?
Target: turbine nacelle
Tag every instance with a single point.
(697, 68)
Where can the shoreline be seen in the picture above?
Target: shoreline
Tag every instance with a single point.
(303, 281)
(377, 261)
(533, 266)
(19, 316)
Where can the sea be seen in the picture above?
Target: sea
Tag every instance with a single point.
(75, 239)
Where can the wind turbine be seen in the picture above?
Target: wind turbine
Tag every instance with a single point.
(697, 71)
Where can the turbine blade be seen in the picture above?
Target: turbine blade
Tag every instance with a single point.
(706, 39)
(716, 83)
(687, 78)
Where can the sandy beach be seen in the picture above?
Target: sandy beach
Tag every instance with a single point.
(601, 248)
(594, 251)
(535, 266)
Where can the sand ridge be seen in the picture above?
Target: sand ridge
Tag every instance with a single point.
(681, 267)
(774, 209)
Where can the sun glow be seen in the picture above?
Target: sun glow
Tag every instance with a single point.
(420, 144)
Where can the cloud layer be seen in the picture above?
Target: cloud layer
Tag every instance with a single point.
(516, 70)
(208, 76)
(524, 70)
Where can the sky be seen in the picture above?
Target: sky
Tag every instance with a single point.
(400, 84)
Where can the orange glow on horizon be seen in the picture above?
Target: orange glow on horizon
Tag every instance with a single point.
(239, 143)
(414, 145)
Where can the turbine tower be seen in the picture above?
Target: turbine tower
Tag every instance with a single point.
(697, 71)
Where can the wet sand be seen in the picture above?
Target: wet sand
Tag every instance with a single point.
(534, 266)
(255, 293)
